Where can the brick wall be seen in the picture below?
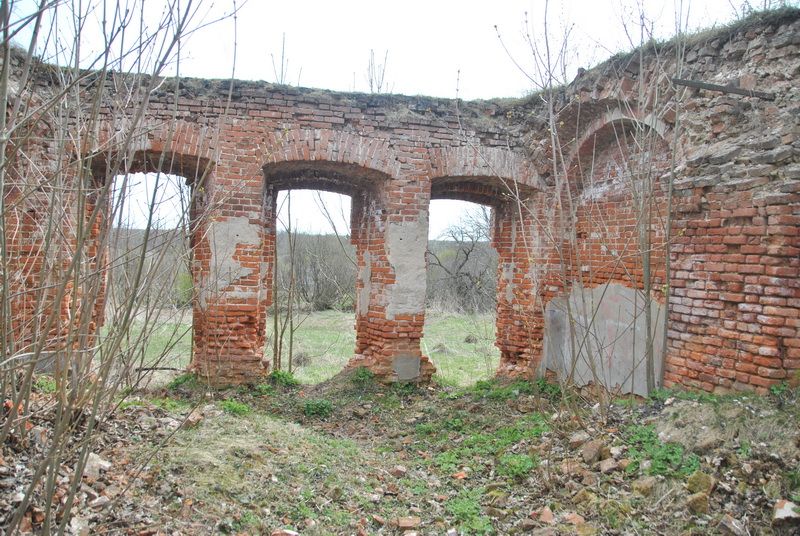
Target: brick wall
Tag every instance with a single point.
(734, 252)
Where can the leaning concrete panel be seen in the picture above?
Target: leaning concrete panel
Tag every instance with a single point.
(609, 340)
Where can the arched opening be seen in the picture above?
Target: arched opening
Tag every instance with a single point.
(313, 308)
(461, 292)
(317, 216)
(605, 321)
(145, 243)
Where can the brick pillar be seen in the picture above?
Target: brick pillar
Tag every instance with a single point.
(229, 244)
(520, 322)
(391, 239)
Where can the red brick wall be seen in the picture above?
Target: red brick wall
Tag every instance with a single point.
(734, 285)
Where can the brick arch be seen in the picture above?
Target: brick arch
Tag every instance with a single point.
(285, 151)
(484, 190)
(604, 131)
(179, 147)
(482, 163)
(337, 177)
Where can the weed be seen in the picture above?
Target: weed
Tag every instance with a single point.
(551, 390)
(404, 389)
(187, 381)
(451, 460)
(132, 404)
(318, 408)
(363, 377)
(668, 459)
(660, 395)
(494, 390)
(455, 424)
(466, 509)
(45, 385)
(171, 405)
(745, 449)
(425, 429)
(793, 479)
(263, 389)
(234, 407)
(246, 519)
(516, 466)
(283, 378)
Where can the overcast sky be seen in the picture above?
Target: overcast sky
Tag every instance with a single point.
(442, 48)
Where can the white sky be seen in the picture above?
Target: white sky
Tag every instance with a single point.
(441, 48)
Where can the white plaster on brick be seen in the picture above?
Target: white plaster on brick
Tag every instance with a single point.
(224, 237)
(406, 243)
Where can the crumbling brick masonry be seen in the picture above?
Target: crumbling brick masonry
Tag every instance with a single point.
(632, 162)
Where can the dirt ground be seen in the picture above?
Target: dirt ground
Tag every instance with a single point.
(350, 456)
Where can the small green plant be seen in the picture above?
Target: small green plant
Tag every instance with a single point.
(450, 461)
(550, 390)
(495, 390)
(793, 480)
(363, 377)
(425, 429)
(404, 388)
(660, 395)
(668, 459)
(779, 389)
(466, 509)
(45, 385)
(745, 449)
(455, 424)
(283, 378)
(187, 381)
(318, 408)
(135, 403)
(234, 407)
(247, 519)
(516, 466)
(170, 404)
(263, 389)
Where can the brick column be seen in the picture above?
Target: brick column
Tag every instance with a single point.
(520, 321)
(391, 239)
(230, 243)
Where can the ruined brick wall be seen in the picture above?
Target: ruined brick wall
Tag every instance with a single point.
(734, 260)
(735, 315)
(561, 232)
(385, 152)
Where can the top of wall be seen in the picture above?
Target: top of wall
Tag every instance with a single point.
(726, 56)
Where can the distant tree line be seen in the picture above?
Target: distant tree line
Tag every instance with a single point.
(462, 268)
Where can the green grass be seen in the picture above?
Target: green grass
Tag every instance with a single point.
(667, 459)
(516, 466)
(326, 340)
(167, 339)
(324, 343)
(461, 363)
(466, 509)
(45, 385)
(318, 408)
(234, 407)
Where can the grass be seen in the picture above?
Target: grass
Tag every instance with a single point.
(666, 459)
(460, 363)
(168, 341)
(318, 408)
(325, 340)
(234, 407)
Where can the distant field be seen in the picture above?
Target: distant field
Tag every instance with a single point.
(324, 342)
